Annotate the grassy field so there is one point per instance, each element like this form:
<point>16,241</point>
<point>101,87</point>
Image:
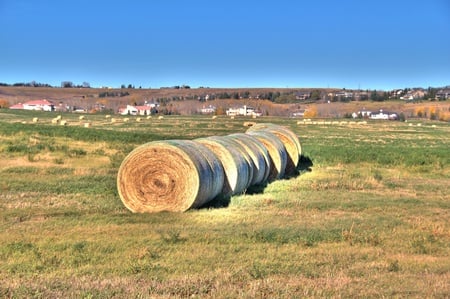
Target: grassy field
<point>368,215</point>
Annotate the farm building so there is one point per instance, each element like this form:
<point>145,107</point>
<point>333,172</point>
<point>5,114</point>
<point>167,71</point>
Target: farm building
<point>384,115</point>
<point>375,115</point>
<point>146,109</point>
<point>42,105</point>
<point>245,110</point>
<point>208,110</point>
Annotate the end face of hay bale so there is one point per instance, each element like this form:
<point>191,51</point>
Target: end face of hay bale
<point>175,176</point>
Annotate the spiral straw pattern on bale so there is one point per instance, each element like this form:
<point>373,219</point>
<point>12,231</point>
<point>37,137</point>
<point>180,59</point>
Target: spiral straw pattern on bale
<point>277,153</point>
<point>173,175</point>
<point>236,167</point>
<point>290,141</point>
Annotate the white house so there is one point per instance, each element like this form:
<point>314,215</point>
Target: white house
<point>245,110</point>
<point>362,114</point>
<point>208,110</point>
<point>138,110</point>
<point>384,115</point>
<point>42,105</point>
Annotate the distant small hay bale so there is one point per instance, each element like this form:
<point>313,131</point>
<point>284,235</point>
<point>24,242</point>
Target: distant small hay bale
<point>410,124</point>
<point>81,117</point>
<point>343,123</point>
<point>87,125</point>
<point>362,123</point>
<point>35,119</point>
<point>433,126</point>
<point>125,120</point>
<point>335,123</point>
<point>231,117</point>
<point>59,117</point>
<point>138,119</point>
<point>63,123</point>
<point>113,120</point>
<point>419,125</point>
<point>327,122</point>
<point>107,116</point>
<point>160,117</point>
<point>254,116</point>
<point>320,122</point>
<point>172,175</point>
<point>214,117</point>
<point>148,117</point>
<point>55,120</point>
<point>24,122</point>
<point>249,123</point>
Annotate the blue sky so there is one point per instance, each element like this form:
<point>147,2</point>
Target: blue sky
<point>381,44</point>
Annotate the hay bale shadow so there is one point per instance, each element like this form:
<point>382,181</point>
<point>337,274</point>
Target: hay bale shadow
<point>304,165</point>
<point>217,203</point>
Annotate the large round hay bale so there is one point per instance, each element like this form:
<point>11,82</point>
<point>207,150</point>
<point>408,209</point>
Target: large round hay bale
<point>277,153</point>
<point>236,167</point>
<point>258,153</point>
<point>290,141</point>
<point>243,153</point>
<point>173,175</point>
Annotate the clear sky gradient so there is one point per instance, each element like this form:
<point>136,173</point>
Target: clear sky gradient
<point>382,44</point>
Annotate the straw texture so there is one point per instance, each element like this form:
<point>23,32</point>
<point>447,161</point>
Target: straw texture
<point>174,175</point>
<point>290,141</point>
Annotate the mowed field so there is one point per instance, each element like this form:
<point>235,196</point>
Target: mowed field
<point>367,216</point>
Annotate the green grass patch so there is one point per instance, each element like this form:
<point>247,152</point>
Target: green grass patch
<point>367,217</point>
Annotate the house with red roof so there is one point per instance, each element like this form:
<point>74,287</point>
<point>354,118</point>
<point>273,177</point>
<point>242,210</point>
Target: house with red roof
<point>42,105</point>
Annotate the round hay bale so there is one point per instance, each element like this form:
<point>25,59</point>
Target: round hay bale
<point>290,141</point>
<point>249,123</point>
<point>107,116</point>
<point>138,119</point>
<point>241,151</point>
<point>87,125</point>
<point>63,123</point>
<point>148,117</point>
<point>160,117</point>
<point>214,117</point>
<point>258,154</point>
<point>126,119</point>
<point>81,117</point>
<point>277,153</point>
<point>35,119</point>
<point>172,175</point>
<point>113,120</point>
<point>236,167</point>
<point>55,120</point>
